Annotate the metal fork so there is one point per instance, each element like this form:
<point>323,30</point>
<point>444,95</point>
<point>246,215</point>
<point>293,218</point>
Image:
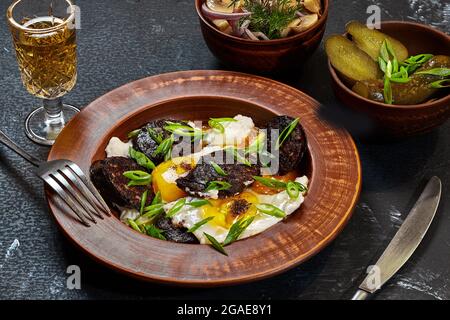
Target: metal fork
<point>68,181</point>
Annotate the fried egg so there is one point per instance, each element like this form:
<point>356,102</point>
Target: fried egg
<point>227,211</point>
<point>117,148</point>
<point>240,132</point>
<point>164,176</point>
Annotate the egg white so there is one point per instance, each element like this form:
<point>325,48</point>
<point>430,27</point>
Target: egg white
<point>234,133</point>
<point>188,216</point>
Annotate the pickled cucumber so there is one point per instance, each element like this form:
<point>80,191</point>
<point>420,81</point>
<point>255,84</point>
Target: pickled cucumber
<point>370,41</point>
<point>416,91</point>
<point>352,63</point>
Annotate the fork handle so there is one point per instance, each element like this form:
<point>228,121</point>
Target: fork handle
<point>14,147</point>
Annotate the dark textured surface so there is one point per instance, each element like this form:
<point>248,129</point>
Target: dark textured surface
<point>121,41</point>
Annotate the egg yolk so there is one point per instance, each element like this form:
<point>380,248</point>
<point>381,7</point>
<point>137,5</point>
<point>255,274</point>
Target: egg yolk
<point>169,189</point>
<point>227,211</point>
<point>258,187</point>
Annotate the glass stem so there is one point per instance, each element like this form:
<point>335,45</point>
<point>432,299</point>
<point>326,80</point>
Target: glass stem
<point>53,111</point>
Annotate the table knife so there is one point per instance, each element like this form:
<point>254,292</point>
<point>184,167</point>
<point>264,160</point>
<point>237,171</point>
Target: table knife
<point>405,241</point>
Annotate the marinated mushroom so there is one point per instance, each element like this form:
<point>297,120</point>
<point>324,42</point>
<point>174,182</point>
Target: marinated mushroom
<point>313,6</point>
<point>306,22</point>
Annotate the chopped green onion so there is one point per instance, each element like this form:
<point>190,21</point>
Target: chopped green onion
<point>198,203</point>
<point>157,137</point>
<point>157,199</point>
<point>277,184</point>
<point>153,209</point>
<point>134,225</point>
<point>216,245</point>
<point>390,49</point>
<point>218,169</point>
<point>286,133</point>
<point>199,224</point>
<point>270,182</point>
<point>387,91</point>
<point>257,145</point>
<point>176,208</point>
<point>383,64</point>
<point>441,72</point>
<point>182,129</point>
<point>292,190</point>
<point>150,212</point>
<point>138,178</point>
<point>400,80</point>
<point>384,54</point>
<point>143,201</point>
<point>141,159</point>
<point>271,210</point>
<point>164,147</point>
<point>395,65</point>
<point>154,232</point>
<point>301,186</point>
<point>389,69</point>
<point>236,230</point>
<point>168,154</point>
<point>415,62</point>
<point>444,83</point>
<point>237,156</point>
<point>216,123</point>
<point>218,185</point>
<point>133,134</point>
<point>401,76</point>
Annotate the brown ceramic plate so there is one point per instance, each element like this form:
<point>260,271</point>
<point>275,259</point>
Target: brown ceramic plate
<point>333,168</point>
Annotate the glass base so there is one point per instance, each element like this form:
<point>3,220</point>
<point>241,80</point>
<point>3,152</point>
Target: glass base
<point>43,129</point>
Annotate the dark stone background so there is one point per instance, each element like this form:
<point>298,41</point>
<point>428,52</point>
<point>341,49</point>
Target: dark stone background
<point>121,41</point>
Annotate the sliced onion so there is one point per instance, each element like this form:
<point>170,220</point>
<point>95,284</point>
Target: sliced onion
<point>211,14</point>
<point>234,26</point>
<point>250,35</point>
<point>244,26</point>
<point>261,35</point>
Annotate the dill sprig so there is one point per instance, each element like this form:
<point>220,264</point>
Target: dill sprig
<point>270,16</point>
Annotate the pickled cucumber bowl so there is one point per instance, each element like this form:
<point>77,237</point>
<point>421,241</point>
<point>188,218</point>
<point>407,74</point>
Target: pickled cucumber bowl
<point>390,105</point>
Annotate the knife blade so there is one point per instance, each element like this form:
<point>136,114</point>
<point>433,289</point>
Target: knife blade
<point>405,241</point>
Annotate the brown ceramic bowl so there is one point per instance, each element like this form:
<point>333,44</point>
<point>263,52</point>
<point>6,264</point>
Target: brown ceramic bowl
<point>333,167</point>
<point>401,120</point>
<point>265,57</point>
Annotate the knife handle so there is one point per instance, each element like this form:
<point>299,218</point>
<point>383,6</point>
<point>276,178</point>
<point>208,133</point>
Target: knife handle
<point>360,295</point>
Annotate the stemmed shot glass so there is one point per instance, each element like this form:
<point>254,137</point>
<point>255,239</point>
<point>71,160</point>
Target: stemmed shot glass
<point>44,37</point>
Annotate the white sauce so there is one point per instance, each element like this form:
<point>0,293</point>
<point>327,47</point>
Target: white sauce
<point>118,148</point>
<point>128,213</point>
<point>235,132</point>
<point>211,194</point>
<point>171,175</point>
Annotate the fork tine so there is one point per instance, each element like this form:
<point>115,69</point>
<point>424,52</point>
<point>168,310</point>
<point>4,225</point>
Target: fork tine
<point>94,204</point>
<point>66,198</point>
<point>89,184</point>
<point>75,194</point>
